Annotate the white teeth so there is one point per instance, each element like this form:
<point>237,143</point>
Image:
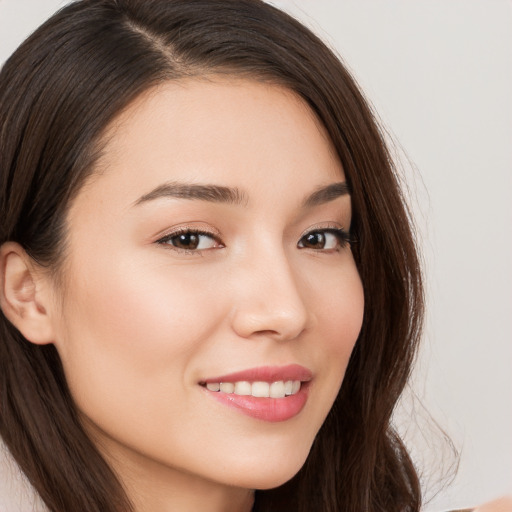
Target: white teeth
<point>261,389</point>
<point>279,389</point>
<point>243,388</point>
<point>227,387</point>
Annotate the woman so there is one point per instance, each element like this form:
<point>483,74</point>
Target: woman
<point>209,281</point>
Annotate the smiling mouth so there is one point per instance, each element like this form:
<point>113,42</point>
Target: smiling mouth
<point>269,393</point>
<point>258,389</point>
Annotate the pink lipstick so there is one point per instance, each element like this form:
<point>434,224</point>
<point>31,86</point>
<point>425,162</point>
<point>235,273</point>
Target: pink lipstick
<point>269,393</point>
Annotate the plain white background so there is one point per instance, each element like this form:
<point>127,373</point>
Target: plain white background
<point>439,73</point>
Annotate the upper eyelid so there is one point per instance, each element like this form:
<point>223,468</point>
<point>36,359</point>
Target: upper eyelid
<point>169,233</point>
<point>330,226</point>
<point>162,241</point>
<point>341,232</point>
<point>215,234</point>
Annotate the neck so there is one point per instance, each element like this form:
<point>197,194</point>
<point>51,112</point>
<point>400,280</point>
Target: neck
<point>186,494</point>
<point>155,487</point>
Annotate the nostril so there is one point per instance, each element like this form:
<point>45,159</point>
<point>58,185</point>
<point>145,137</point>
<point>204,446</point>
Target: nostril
<point>269,302</point>
<point>268,324</point>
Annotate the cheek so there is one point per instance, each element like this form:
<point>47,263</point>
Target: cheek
<point>342,309</point>
<point>130,331</point>
<point>338,305</point>
<point>133,332</point>
<point>339,308</point>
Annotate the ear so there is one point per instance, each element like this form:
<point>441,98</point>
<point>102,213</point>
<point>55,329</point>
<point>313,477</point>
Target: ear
<point>25,294</point>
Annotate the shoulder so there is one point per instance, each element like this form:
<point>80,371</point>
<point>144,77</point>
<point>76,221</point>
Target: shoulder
<point>503,504</point>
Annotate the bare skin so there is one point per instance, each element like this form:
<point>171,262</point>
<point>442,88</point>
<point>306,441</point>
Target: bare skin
<point>503,504</point>
<point>165,288</point>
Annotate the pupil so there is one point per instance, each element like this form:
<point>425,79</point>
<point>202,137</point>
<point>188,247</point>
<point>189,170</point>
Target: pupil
<point>315,239</point>
<point>188,241</point>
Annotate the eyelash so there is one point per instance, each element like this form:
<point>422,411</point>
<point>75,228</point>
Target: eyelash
<point>342,236</point>
<point>187,231</point>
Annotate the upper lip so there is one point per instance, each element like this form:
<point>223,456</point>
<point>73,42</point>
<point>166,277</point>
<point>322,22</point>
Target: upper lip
<point>265,374</point>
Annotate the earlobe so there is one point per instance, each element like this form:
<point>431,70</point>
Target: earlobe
<point>22,296</point>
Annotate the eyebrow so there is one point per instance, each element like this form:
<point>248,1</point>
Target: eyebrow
<point>233,195</point>
<point>326,194</point>
<point>212,193</point>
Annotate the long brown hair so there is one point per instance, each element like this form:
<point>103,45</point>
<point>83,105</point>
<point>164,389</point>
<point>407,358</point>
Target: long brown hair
<point>58,92</point>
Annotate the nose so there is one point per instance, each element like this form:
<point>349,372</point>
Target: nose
<point>269,302</point>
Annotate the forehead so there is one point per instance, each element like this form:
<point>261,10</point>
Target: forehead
<point>228,131</point>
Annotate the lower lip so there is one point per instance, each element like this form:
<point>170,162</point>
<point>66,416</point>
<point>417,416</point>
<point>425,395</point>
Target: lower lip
<point>266,409</point>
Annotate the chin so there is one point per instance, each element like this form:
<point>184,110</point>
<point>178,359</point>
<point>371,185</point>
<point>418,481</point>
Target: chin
<point>269,474</point>
<point>267,484</point>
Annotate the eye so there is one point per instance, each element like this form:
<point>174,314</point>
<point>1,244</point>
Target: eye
<point>189,240</point>
<point>331,239</point>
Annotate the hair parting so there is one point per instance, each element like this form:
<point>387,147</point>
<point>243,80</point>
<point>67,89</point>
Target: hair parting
<point>59,93</point>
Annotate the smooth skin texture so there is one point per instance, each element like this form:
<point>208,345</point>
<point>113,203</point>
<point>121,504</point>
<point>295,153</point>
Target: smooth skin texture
<point>142,318</point>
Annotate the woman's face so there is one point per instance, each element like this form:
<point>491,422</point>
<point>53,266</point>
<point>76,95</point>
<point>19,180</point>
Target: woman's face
<point>209,251</point>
